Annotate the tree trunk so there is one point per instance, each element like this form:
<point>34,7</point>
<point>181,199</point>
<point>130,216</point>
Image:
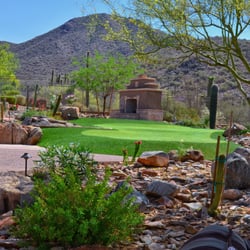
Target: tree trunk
<point>110,101</point>
<point>97,102</point>
<point>104,105</point>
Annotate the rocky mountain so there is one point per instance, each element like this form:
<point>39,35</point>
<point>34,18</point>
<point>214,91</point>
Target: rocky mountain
<point>56,49</point>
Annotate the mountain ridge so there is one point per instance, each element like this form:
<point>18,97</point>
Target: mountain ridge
<point>55,49</point>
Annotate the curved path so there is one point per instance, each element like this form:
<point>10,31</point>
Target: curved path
<point>10,157</point>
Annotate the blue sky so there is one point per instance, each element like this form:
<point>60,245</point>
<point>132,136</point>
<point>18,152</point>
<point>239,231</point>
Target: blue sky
<point>22,20</point>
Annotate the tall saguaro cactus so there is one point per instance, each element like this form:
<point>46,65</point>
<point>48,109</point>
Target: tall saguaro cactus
<point>213,106</point>
<point>210,83</point>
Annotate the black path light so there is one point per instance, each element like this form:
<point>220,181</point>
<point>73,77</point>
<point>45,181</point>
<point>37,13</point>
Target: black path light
<point>26,156</point>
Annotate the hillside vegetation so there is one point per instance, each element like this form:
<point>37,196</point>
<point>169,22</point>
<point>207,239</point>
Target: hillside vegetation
<point>185,81</point>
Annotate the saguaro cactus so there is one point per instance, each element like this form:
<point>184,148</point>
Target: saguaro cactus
<point>35,96</point>
<point>52,77</point>
<point>213,106</point>
<point>210,83</point>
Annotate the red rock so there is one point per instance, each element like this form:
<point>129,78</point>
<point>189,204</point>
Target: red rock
<point>193,155</point>
<point>154,159</point>
<point>13,133</point>
<point>232,194</point>
<point>6,222</point>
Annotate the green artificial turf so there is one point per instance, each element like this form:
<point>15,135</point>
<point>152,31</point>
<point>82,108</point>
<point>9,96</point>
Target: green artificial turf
<point>111,136</point>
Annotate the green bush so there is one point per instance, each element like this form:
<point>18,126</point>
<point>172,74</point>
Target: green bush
<point>9,99</point>
<point>32,112</point>
<point>57,158</point>
<point>67,214</point>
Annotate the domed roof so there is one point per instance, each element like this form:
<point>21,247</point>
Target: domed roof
<point>143,81</point>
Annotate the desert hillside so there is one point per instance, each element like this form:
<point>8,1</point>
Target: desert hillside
<point>56,49</point>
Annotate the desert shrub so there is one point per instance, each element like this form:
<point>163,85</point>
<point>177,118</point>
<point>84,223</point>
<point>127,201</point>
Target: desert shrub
<point>175,111</point>
<point>9,99</point>
<point>20,100</point>
<point>9,89</point>
<point>191,123</point>
<point>167,116</point>
<point>239,111</point>
<point>33,112</point>
<point>74,156</point>
<point>66,214</point>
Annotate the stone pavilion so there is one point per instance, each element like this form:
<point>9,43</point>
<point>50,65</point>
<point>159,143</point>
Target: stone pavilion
<point>141,100</point>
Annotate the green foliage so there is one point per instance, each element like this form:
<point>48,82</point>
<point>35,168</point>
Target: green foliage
<point>10,89</point>
<point>9,99</point>
<point>8,66</point>
<point>104,74</point>
<point>181,150</point>
<point>179,113</point>
<point>57,158</point>
<point>245,131</point>
<point>213,106</point>
<point>32,112</point>
<point>9,85</point>
<point>188,26</point>
<point>67,214</point>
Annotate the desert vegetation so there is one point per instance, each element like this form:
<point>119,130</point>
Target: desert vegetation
<point>67,212</point>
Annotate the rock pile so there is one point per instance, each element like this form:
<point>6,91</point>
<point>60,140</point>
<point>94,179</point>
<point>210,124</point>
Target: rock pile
<point>46,122</point>
<point>237,133</point>
<point>174,199</point>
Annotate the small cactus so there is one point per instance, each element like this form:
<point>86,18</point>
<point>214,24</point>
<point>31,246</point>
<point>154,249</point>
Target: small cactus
<point>218,183</point>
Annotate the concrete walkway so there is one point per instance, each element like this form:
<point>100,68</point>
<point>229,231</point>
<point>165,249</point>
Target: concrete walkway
<point>10,157</point>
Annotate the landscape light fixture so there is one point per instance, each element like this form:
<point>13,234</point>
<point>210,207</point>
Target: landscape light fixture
<point>26,156</point>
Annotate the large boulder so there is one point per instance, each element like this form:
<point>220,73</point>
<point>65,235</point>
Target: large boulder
<point>13,133</point>
<point>15,189</point>
<point>35,134</point>
<point>238,169</point>
<point>154,159</point>
<point>70,113</point>
<point>162,188</point>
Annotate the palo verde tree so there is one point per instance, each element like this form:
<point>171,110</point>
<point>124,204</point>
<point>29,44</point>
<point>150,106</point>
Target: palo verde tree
<point>188,26</point>
<point>104,75</point>
<point>8,65</point>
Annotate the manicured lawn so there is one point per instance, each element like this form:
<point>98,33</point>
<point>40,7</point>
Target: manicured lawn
<point>110,136</point>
